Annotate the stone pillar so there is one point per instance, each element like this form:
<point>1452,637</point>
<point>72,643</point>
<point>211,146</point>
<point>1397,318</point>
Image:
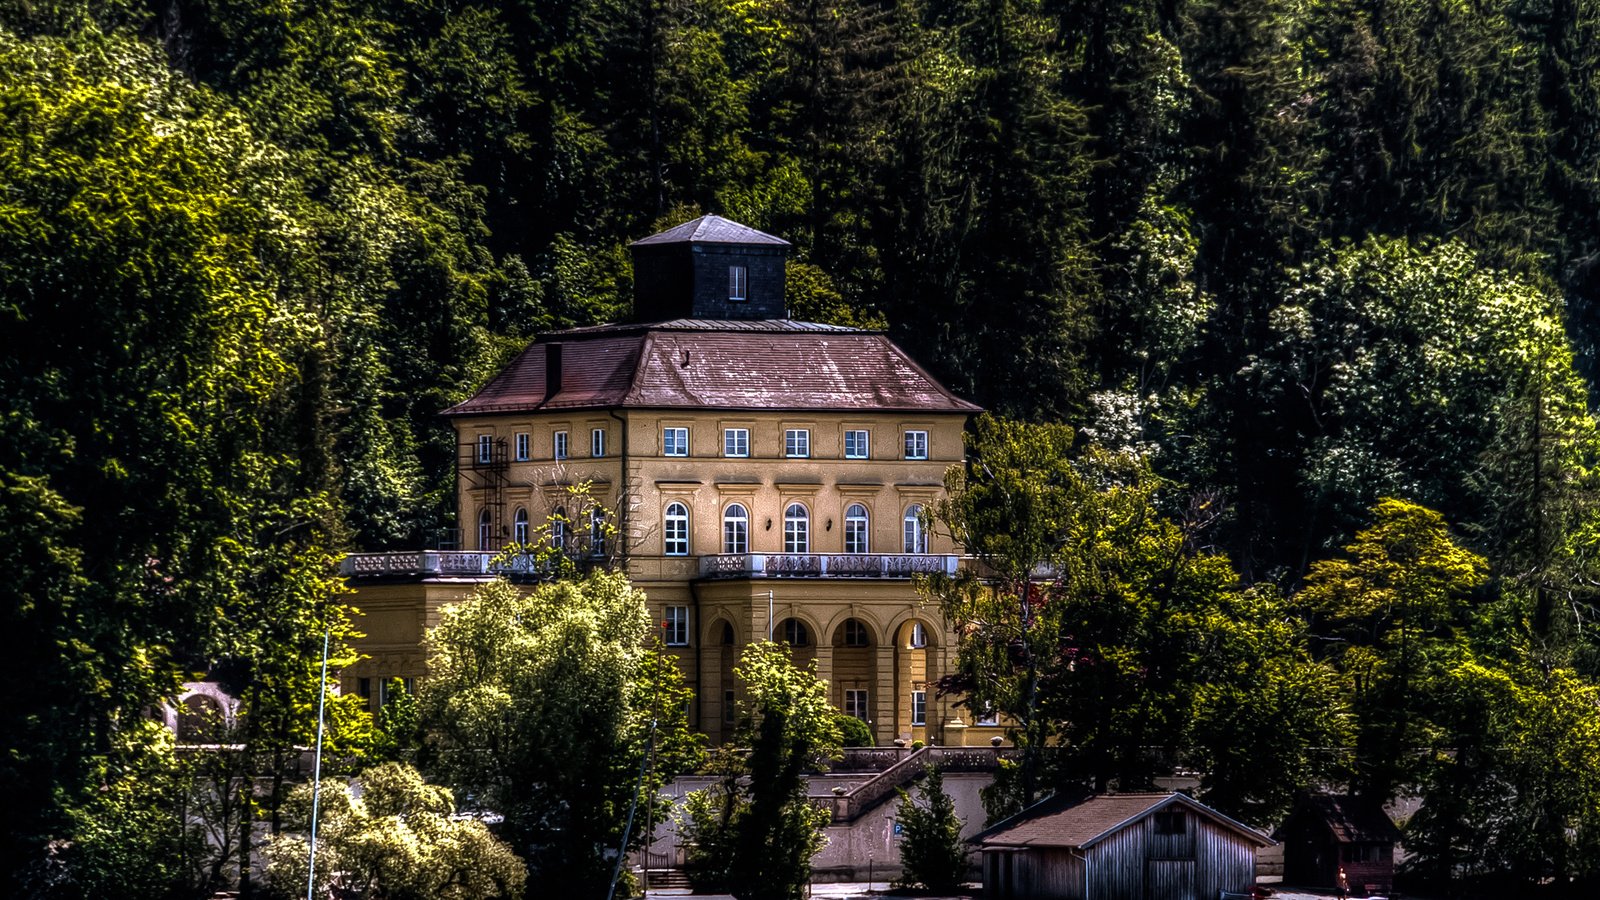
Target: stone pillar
<point>883,701</point>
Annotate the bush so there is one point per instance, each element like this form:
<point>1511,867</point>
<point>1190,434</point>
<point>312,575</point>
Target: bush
<point>930,842</point>
<point>855,732</point>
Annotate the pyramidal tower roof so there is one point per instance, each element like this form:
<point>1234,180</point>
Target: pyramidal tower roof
<point>711,230</point>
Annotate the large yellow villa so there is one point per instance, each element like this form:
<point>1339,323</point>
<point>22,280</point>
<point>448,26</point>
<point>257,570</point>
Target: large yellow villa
<point>754,475</point>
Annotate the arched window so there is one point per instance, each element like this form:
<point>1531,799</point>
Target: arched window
<point>727,634</point>
<point>794,631</point>
<point>918,636</point>
<point>485,530</point>
<point>676,533</point>
<point>519,526</point>
<point>796,529</point>
<point>735,529</point>
<point>855,634</point>
<point>916,535</point>
<point>855,529</point>
<point>558,528</point>
<point>597,531</point>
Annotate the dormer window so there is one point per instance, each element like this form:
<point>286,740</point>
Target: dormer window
<point>738,283</point>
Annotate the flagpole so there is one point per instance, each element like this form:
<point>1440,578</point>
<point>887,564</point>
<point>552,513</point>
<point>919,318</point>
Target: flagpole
<point>316,770</point>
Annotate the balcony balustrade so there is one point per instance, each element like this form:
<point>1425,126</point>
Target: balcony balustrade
<point>476,564</point>
<point>826,565</point>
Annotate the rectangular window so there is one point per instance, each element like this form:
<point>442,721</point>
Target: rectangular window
<point>677,626</point>
<point>738,282</point>
<point>1170,821</point>
<point>919,707</point>
<point>597,443</point>
<point>855,444</point>
<point>674,442</point>
<point>485,448</point>
<point>855,704</point>
<point>797,442</point>
<point>364,688</point>
<point>524,446</point>
<point>987,715</point>
<point>386,691</point>
<point>560,441</point>
<point>916,445</point>
<point>735,442</point>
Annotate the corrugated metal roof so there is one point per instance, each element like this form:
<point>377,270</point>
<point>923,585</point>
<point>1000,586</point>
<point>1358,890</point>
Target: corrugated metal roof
<point>1083,824</point>
<point>701,364</point>
<point>711,230</point>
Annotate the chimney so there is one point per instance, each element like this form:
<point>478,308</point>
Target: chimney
<point>552,370</point>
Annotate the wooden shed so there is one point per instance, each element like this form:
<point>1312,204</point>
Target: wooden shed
<point>1326,832</point>
<point>1119,847</point>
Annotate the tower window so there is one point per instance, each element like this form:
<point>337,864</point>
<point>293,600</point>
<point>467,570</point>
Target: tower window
<point>738,283</point>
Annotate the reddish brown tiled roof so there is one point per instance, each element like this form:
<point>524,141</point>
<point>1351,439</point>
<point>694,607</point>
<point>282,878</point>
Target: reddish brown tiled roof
<point>1084,823</point>
<point>716,365</point>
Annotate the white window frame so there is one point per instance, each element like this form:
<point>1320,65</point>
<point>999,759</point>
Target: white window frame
<point>862,439</point>
<point>914,537</point>
<point>519,526</point>
<point>738,283</point>
<point>916,444</point>
<point>675,441</point>
<point>524,446</point>
<point>485,530</point>
<point>919,636</point>
<point>558,528</point>
<point>485,448</point>
<point>676,626</point>
<point>857,529</point>
<point>597,443</point>
<point>597,531</point>
<point>736,442</point>
<point>558,443</point>
<point>919,708</point>
<point>735,529</point>
<point>675,529</point>
<point>856,703</point>
<point>986,714</point>
<point>797,443</point>
<point>796,529</point>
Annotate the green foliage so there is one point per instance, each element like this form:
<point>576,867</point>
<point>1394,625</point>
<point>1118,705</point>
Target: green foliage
<point>791,730</point>
<point>1396,604</point>
<point>709,822</point>
<point>1108,634</point>
<point>854,733</point>
<point>398,729</point>
<point>398,841</point>
<point>930,844</point>
<point>541,706</point>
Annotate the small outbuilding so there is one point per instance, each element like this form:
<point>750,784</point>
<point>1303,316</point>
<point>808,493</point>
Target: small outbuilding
<point>1327,832</point>
<point>1154,846</point>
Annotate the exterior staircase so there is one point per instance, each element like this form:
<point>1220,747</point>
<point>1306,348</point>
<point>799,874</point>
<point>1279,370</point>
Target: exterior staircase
<point>848,805</point>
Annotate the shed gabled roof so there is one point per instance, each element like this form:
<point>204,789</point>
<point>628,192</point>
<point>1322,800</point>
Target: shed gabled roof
<point>710,230</point>
<point>706,364</point>
<point>1351,819</point>
<point>1082,824</point>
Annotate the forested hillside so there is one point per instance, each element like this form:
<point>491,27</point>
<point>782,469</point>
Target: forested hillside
<point>1300,255</point>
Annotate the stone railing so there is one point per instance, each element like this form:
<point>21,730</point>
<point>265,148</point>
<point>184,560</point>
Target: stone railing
<point>434,563</point>
<point>826,565</point>
<point>849,805</point>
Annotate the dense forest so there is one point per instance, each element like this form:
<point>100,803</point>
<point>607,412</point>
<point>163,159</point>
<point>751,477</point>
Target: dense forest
<point>1298,256</point>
